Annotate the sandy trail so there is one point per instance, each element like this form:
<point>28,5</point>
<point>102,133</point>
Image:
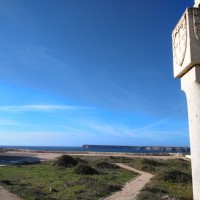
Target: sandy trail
<point>131,189</point>
<point>5,195</point>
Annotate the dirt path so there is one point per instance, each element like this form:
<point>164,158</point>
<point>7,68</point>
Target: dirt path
<point>5,195</point>
<point>131,189</point>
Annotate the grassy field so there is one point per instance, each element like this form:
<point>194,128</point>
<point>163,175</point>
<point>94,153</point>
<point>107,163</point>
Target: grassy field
<point>90,178</point>
<point>83,179</point>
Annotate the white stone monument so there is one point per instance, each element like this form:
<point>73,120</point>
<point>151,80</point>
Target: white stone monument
<point>186,60</point>
<point>197,3</point>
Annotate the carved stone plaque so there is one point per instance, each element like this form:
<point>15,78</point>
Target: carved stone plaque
<point>179,41</point>
<point>186,42</point>
<point>196,24</point>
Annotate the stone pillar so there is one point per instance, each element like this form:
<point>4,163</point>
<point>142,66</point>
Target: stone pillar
<point>190,84</point>
<point>186,61</point>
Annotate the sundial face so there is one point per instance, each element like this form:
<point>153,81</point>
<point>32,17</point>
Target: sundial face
<point>179,41</point>
<point>186,42</point>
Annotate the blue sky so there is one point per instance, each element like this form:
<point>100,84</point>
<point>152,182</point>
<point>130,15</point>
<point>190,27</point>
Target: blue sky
<point>77,72</point>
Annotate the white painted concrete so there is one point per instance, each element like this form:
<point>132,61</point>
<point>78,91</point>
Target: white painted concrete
<point>190,84</point>
<point>196,3</point>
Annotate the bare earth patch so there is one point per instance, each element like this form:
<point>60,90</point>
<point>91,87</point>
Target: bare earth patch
<point>5,195</point>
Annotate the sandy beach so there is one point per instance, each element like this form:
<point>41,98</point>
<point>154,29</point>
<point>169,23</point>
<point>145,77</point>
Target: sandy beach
<point>45,155</point>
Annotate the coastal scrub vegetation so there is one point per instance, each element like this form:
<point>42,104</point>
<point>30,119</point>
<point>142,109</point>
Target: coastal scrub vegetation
<point>95,177</point>
<point>65,161</point>
<point>68,178</point>
<point>171,177</point>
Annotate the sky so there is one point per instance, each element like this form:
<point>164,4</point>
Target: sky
<point>76,72</point>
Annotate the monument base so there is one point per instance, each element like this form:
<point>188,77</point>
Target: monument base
<point>190,84</point>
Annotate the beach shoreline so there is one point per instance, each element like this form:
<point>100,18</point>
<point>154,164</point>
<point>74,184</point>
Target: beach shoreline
<point>42,155</point>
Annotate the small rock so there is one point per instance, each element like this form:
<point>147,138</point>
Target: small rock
<point>53,190</point>
<point>167,197</point>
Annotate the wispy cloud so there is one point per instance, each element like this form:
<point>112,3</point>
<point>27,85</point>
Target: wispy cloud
<point>104,128</point>
<point>27,108</point>
<point>153,131</point>
<point>4,122</point>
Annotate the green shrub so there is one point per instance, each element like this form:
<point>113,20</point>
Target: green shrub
<point>65,161</point>
<point>149,165</point>
<point>113,187</point>
<point>120,159</point>
<point>5,181</point>
<point>146,195</point>
<point>85,169</point>
<point>153,189</point>
<point>106,165</point>
<point>175,176</point>
<point>150,162</point>
<point>179,164</point>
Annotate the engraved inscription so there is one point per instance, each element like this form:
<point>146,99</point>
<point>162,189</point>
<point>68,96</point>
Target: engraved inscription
<point>179,41</point>
<point>196,24</point>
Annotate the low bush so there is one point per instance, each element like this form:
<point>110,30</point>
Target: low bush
<point>153,189</point>
<point>65,161</point>
<point>5,181</point>
<point>149,165</point>
<point>150,162</point>
<point>179,164</point>
<point>175,176</point>
<point>146,195</point>
<point>106,165</point>
<point>120,159</point>
<point>85,169</point>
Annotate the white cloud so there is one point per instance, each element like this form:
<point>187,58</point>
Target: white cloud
<point>153,131</point>
<point>26,108</point>
<point>104,128</point>
<point>5,122</point>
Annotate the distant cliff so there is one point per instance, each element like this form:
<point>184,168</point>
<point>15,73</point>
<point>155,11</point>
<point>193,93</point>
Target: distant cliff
<point>139,148</point>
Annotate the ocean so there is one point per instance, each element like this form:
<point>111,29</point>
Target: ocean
<point>80,149</point>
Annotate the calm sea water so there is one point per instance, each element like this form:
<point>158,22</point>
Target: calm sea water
<point>80,149</point>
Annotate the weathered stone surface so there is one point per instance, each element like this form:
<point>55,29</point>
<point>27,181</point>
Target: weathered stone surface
<point>186,60</point>
<point>186,42</point>
<point>197,3</point>
<point>190,84</point>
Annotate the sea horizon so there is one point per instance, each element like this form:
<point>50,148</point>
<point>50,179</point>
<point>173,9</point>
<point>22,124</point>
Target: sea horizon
<point>81,149</point>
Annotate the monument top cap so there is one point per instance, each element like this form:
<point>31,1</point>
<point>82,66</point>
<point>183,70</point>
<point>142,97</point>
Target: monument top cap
<point>197,3</point>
